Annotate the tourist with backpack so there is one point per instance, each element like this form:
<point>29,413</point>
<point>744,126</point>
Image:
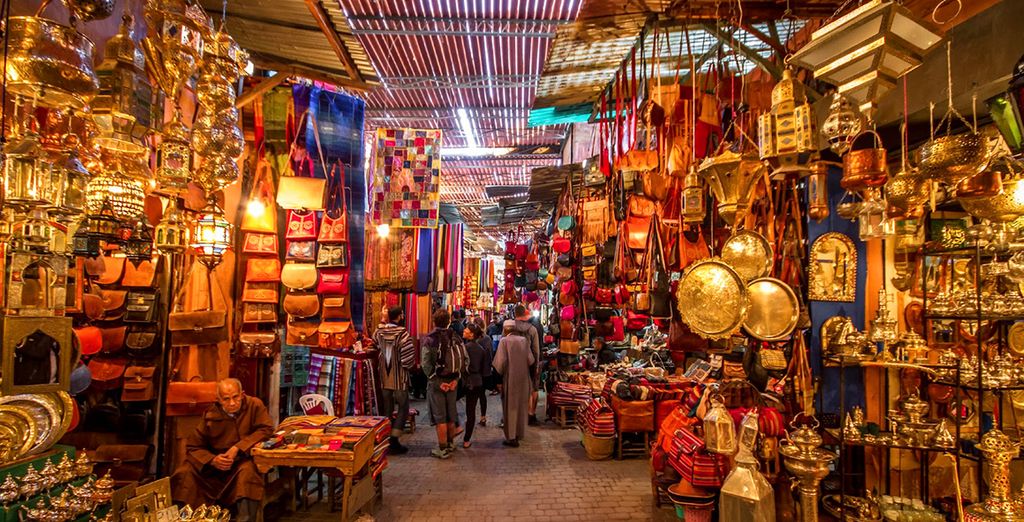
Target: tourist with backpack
<point>444,360</point>
<point>396,357</point>
<point>514,361</point>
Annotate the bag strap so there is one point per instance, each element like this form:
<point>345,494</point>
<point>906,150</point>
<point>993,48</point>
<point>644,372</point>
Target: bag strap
<point>178,304</point>
<point>308,116</point>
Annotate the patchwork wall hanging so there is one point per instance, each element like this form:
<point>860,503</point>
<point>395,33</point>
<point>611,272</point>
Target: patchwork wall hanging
<point>407,178</point>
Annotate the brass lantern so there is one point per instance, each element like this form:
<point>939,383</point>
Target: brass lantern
<point>171,232</point>
<point>786,133</point>
<point>174,48</point>
<point>842,124</point>
<point>174,157</point>
<point>212,235</point>
<point>868,49</point>
<point>719,428</point>
<point>138,247</point>
<point>124,194</point>
<point>124,108</point>
<point>71,202</point>
<point>693,197</point>
<point>817,191</point>
<point>34,232</point>
<point>732,177</point>
<point>28,173</point>
<point>746,495</point>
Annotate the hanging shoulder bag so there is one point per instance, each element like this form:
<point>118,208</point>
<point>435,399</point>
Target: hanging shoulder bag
<point>263,192</point>
<point>205,326</point>
<point>303,192</point>
<point>334,224</point>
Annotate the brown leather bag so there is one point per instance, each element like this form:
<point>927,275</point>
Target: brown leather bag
<point>92,304</point>
<point>199,327</point>
<point>299,276</point>
<point>640,206</point>
<point>138,384</point>
<point>113,269</point>
<point>302,333</point>
<point>256,243</point>
<point>337,307</point>
<point>260,293</point>
<point>106,373</point>
<point>262,345</point>
<point>259,313</point>
<point>113,339</point>
<point>337,335</point>
<point>189,398</point>
<point>656,185</point>
<point>90,339</point>
<point>141,276</point>
<point>113,304</point>
<point>263,270</point>
<point>633,416</point>
<point>302,305</point>
<point>94,266</point>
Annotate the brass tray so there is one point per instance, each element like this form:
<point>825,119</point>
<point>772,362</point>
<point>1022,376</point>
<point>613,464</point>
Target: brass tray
<point>712,299</point>
<point>1015,339</point>
<point>45,416</point>
<point>749,254</point>
<point>774,309</point>
<point>17,432</point>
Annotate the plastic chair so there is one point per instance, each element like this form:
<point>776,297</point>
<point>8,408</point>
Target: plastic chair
<point>311,400</point>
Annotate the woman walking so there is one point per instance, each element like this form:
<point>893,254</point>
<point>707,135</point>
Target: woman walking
<point>479,370</point>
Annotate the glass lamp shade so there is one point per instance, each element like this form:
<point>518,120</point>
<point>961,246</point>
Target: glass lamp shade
<point>865,51</point>
<point>171,234</point>
<point>719,429</point>
<point>139,245</point>
<point>1006,109</point>
<point>746,495</point>
<point>212,234</point>
<point>123,194</point>
<point>174,157</point>
<point>841,125</point>
<point>28,173</point>
<point>124,109</point>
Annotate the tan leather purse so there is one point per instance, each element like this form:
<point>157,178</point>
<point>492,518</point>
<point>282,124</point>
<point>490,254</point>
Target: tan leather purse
<point>141,276</point>
<point>337,307</point>
<point>258,345</point>
<point>302,333</point>
<point>302,305</point>
<point>259,313</point>
<point>138,384</point>
<point>263,270</point>
<point>260,293</point>
<point>337,335</point>
<point>199,327</point>
<point>301,192</point>
<point>299,276</point>
<point>113,339</point>
<point>189,398</point>
<point>113,304</point>
<point>113,269</point>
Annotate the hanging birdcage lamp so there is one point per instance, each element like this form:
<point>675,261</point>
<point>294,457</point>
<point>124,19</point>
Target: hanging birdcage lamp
<point>842,124</point>
<point>719,428</point>
<point>96,228</point>
<point>212,235</point>
<point>174,157</point>
<point>786,133</point>
<point>171,234</point>
<point>123,194</point>
<point>139,245</point>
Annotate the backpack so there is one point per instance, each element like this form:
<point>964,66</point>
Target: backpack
<point>452,359</point>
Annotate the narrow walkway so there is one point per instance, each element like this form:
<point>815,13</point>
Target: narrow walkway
<point>547,478</point>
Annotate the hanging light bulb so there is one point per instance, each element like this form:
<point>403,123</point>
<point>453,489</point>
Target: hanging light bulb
<point>383,230</point>
<point>255,208</point>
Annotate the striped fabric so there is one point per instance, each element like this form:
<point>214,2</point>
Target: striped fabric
<point>394,375</point>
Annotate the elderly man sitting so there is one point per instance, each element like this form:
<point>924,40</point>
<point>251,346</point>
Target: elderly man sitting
<point>217,468</point>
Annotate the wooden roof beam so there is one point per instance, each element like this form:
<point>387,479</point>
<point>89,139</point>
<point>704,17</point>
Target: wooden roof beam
<point>260,88</point>
<point>323,20</point>
<point>281,65</point>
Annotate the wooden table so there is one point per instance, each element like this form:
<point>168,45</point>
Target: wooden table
<point>348,463</point>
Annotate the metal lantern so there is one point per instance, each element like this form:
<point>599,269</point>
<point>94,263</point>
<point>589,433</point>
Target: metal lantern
<point>124,194</point>
<point>786,133</point>
<point>97,227</point>
<point>719,429</point>
<point>34,232</point>
<point>871,220</point>
<point>868,49</point>
<point>28,173</point>
<point>174,157</point>
<point>842,124</point>
<point>817,191</point>
<point>139,245</point>
<point>171,232</point>
<point>1006,109</point>
<point>746,495</point>
<point>732,178</point>
<point>883,326</point>
<point>71,202</point>
<point>693,198</point>
<point>124,108</point>
<point>174,47</point>
<point>84,244</point>
<point>212,235</point>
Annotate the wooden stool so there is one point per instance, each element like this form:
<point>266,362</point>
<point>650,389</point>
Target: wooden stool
<point>565,416</point>
<point>633,452</point>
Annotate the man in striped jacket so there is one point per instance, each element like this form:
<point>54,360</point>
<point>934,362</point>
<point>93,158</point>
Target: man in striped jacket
<point>397,357</point>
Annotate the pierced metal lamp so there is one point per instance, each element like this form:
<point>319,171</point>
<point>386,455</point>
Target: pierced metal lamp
<point>212,235</point>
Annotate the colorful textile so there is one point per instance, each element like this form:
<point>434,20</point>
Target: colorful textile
<point>407,178</point>
<point>566,394</point>
<point>595,417</point>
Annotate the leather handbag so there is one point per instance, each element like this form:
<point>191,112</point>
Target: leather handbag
<point>141,342</point>
<point>302,226</point>
<point>258,345</point>
<point>92,304</point>
<point>618,330</point>
<point>113,269</point>
<point>636,321</point>
<point>640,302</point>
<point>636,229</point>
<point>333,282</point>
<point>567,313</point>
<point>259,313</point>
<point>138,384</point>
<point>334,224</point>
<point>301,305</point>
<point>604,296</point>
<point>141,307</point>
<point>263,192</point>
<point>642,207</point>
<point>263,270</point>
<point>106,373</point>
<point>696,465</point>
<point>633,416</point>
<point>299,276</point>
<point>303,192</point>
<point>260,293</point>
<point>90,340</point>
<point>198,327</point>
<point>569,346</point>
<point>304,250</point>
<point>302,333</point>
<point>113,304</point>
<point>337,335</point>
<point>332,256</point>
<point>656,185</point>
<point>94,266</point>
<point>141,276</point>
<point>189,398</point>
<point>257,243</point>
<point>561,245</point>
<point>337,307</point>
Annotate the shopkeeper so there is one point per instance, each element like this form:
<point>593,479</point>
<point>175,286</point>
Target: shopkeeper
<point>217,467</point>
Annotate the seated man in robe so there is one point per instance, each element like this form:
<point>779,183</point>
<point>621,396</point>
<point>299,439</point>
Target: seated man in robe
<point>218,468</point>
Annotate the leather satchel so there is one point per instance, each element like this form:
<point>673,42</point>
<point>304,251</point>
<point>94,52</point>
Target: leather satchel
<point>299,276</point>
<point>138,384</point>
<point>199,327</point>
<point>263,192</point>
<point>302,226</point>
<point>337,308</point>
<point>301,192</point>
<point>257,243</point>
<point>334,225</point>
<point>263,270</point>
<point>189,398</point>
<point>259,313</point>
<point>333,282</point>
<point>633,416</point>
<point>337,335</point>
<point>106,373</point>
<point>332,256</point>
<point>258,345</point>
<point>302,305</point>
<point>90,340</point>
<point>259,293</point>
<point>141,308</point>
<point>656,185</point>
<point>304,250</point>
<point>92,304</point>
<point>113,304</point>
<point>302,333</point>
<point>113,269</point>
<point>141,342</point>
<point>141,276</point>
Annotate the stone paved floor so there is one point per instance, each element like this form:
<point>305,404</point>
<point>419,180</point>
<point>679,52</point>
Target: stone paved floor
<point>547,478</point>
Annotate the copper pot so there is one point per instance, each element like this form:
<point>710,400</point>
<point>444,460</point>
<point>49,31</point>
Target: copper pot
<point>865,168</point>
<point>50,63</point>
<point>985,185</point>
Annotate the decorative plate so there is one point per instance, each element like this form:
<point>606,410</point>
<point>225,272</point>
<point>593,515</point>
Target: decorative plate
<point>749,253</point>
<point>45,416</point>
<point>712,299</point>
<point>17,432</point>
<point>774,309</point>
<point>1015,339</point>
